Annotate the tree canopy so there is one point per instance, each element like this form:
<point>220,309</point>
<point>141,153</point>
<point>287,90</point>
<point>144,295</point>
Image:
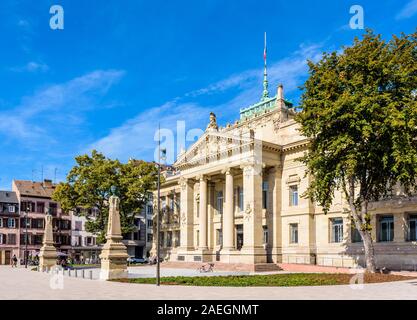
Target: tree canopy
<point>359,109</point>
<point>95,178</point>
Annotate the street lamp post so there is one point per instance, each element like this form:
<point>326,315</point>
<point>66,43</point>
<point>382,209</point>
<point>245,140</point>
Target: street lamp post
<point>26,235</point>
<point>158,221</point>
<point>158,249</point>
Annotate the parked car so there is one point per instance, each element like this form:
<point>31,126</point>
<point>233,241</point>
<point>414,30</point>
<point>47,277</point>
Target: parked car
<point>132,260</point>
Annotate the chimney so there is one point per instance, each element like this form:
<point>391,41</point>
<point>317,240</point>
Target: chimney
<point>47,183</point>
<point>280,94</point>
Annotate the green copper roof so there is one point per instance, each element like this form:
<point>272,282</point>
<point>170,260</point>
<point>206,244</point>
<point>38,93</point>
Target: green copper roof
<point>263,106</point>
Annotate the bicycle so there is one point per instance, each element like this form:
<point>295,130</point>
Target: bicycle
<point>208,267</point>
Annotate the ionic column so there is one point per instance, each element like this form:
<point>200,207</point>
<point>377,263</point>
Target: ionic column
<point>187,215</point>
<point>252,226</point>
<point>203,213</point>
<point>228,214</point>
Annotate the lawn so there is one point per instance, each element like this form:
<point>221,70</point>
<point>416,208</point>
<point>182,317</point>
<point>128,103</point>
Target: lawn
<point>274,280</point>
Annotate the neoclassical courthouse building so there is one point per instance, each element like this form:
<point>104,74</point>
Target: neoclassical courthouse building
<point>235,197</point>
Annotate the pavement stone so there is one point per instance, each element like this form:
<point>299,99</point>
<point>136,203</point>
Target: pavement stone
<point>22,283</point>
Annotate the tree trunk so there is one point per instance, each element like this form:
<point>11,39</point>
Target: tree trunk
<point>369,251</point>
<point>359,220</point>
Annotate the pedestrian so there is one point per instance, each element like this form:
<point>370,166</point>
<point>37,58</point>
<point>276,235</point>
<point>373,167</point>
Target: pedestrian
<point>14,261</point>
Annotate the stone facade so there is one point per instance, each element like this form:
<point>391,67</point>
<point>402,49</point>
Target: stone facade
<point>236,198</point>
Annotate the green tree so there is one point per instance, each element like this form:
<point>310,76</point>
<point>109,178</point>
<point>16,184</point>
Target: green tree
<point>359,109</point>
<point>92,181</point>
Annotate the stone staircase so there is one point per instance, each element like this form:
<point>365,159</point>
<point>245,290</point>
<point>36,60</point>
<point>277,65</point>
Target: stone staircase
<point>266,267</point>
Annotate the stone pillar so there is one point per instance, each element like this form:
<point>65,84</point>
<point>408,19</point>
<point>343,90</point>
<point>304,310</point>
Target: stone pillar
<point>114,253</point>
<point>187,215</point>
<point>47,255</point>
<point>400,227</point>
<point>228,214</point>
<point>275,183</point>
<point>203,214</point>
<point>253,250</point>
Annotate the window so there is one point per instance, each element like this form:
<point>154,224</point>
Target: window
<point>150,237</point>
<point>53,208</point>
<point>2,238</point>
<point>265,195</point>
<point>1,223</point>
<point>37,223</point>
<point>78,226</point>
<point>355,235</point>
<point>11,209</point>
<point>219,237</point>
<point>150,223</point>
<point>11,238</point>
<point>198,209</point>
<point>171,203</point>
<point>177,238</point>
<point>239,236</point>
<point>37,239</point>
<point>265,235</point>
<point>169,239</point>
<point>412,228</point>
<point>11,223</point>
<point>336,231</point>
<point>386,228</point>
<point>23,238</point>
<point>294,195</point>
<point>294,233</point>
<point>241,207</point>
<point>220,202</point>
<point>197,238</point>
<point>149,210</point>
<point>40,207</point>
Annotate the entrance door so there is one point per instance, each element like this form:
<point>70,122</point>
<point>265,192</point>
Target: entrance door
<point>7,255</point>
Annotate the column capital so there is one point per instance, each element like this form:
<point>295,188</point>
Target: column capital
<point>202,177</point>
<point>229,170</point>
<point>184,181</point>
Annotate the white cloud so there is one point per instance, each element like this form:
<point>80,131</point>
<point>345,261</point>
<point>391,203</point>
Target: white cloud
<point>29,122</point>
<point>31,66</point>
<point>135,138</point>
<point>409,10</point>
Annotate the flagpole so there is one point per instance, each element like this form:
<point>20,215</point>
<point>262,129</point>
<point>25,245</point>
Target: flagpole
<point>265,93</point>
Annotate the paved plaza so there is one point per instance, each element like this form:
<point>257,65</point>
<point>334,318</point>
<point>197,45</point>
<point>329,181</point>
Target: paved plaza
<point>25,284</point>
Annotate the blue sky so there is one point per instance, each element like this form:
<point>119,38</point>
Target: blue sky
<point>120,67</point>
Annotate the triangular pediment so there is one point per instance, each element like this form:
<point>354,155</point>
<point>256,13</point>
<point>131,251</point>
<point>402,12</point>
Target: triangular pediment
<point>213,143</point>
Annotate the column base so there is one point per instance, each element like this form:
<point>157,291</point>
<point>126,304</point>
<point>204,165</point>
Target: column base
<point>47,256</point>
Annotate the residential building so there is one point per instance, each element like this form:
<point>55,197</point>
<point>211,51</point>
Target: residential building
<point>35,201</point>
<point>9,226</point>
<point>84,246</point>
